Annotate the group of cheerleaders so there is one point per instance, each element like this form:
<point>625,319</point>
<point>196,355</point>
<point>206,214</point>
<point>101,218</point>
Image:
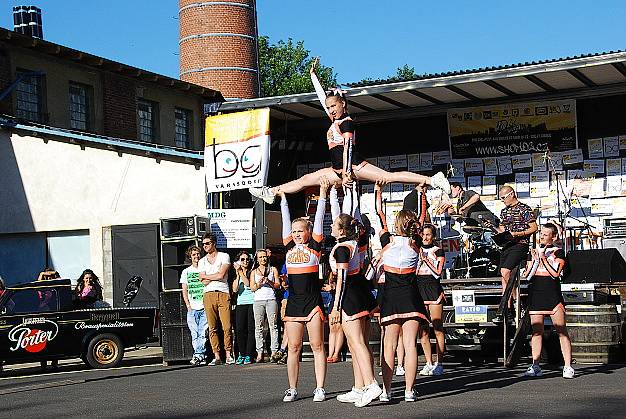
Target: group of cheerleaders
<point>407,270</point>
<point>409,260</point>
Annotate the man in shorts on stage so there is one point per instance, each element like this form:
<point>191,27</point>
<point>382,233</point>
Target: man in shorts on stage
<point>518,219</point>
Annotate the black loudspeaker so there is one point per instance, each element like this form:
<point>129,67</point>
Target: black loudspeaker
<point>194,226</point>
<point>175,335</point>
<point>594,266</point>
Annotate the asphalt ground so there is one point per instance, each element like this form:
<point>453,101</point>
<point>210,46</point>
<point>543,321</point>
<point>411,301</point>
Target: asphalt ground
<point>143,388</point>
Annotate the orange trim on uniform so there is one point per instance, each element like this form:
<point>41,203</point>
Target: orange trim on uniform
<point>406,316</point>
<point>317,237</point>
<point>345,317</point>
<point>401,271</point>
<point>354,271</point>
<point>308,318</point>
<point>439,300</point>
<point>303,270</point>
<point>343,265</point>
<point>558,307</point>
<point>287,239</point>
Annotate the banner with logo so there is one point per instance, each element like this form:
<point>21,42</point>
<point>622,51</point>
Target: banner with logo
<point>237,150</point>
<point>508,129</point>
<point>232,227</point>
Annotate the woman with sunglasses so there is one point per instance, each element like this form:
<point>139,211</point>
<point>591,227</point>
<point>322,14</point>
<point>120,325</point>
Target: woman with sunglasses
<point>264,281</point>
<point>303,241</point>
<point>244,313</point>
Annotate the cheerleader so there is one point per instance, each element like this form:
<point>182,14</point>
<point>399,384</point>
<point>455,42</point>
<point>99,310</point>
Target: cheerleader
<point>347,164</point>
<point>352,307</point>
<point>431,261</point>
<point>545,298</point>
<point>305,305</point>
<point>401,306</point>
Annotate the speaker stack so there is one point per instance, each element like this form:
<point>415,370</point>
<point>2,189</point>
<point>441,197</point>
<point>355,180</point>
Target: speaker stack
<point>175,335</point>
<point>177,234</point>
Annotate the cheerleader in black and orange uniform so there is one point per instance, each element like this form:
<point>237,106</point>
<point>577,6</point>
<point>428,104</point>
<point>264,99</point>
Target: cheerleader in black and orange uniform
<point>431,262</point>
<point>347,164</point>
<point>353,305</point>
<point>305,304</point>
<point>401,306</point>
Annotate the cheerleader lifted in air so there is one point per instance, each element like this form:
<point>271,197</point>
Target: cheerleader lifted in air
<point>347,164</point>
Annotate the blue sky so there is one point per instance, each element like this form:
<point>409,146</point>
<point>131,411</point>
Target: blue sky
<point>360,39</point>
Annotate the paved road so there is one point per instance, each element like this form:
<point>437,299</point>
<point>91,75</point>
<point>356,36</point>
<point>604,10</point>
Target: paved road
<point>144,388</point>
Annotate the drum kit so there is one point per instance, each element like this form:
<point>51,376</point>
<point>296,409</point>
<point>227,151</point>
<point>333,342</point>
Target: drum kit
<point>479,255</point>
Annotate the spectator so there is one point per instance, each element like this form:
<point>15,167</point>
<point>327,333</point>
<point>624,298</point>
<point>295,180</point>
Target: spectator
<point>284,283</point>
<point>44,305</point>
<point>193,292</point>
<point>214,275</point>
<point>263,282</point>
<point>244,313</point>
<point>88,290</point>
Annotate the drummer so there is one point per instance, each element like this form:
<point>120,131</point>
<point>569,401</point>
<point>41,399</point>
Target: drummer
<point>468,204</point>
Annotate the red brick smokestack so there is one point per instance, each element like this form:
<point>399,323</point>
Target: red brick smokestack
<point>218,46</point>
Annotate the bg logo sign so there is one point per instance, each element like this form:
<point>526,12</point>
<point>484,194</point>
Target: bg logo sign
<point>33,337</point>
<point>237,158</point>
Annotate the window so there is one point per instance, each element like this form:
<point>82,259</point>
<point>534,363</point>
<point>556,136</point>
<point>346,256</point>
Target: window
<point>182,127</point>
<point>31,300</point>
<point>79,106</point>
<point>146,115</point>
<point>29,94</point>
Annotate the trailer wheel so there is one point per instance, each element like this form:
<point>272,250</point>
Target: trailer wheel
<point>104,351</point>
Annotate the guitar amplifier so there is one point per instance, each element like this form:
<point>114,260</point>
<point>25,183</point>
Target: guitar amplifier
<point>583,294</point>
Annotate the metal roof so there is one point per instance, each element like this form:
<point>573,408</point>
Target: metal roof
<point>436,92</point>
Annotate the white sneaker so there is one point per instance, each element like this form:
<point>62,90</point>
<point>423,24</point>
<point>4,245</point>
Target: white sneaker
<point>400,371</point>
<point>352,396</point>
<point>384,397</point>
<point>319,395</point>
<point>568,372</point>
<point>410,396</point>
<point>439,181</point>
<point>290,395</point>
<point>195,360</point>
<point>371,392</point>
<point>533,371</point>
<point>427,370</point>
<point>265,193</point>
<point>438,370</point>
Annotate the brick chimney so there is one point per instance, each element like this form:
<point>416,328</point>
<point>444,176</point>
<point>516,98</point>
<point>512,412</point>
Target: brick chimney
<point>218,46</point>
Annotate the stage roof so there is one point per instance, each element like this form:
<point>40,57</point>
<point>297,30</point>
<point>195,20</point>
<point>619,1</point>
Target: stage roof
<point>580,76</point>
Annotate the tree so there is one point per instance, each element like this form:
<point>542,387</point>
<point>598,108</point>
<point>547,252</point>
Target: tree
<point>405,73</point>
<point>284,68</point>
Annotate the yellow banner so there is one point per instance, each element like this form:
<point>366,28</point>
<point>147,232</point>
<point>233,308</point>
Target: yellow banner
<point>240,126</point>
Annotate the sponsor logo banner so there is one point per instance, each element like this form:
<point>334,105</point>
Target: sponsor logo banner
<point>33,335</point>
<point>517,128</point>
<point>237,152</point>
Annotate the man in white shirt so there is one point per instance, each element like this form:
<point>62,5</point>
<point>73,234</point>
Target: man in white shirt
<point>214,275</point>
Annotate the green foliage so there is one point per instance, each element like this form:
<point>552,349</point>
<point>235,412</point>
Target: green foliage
<point>405,73</point>
<point>284,68</point>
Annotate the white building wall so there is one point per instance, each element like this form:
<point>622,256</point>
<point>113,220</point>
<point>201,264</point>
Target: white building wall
<point>57,186</point>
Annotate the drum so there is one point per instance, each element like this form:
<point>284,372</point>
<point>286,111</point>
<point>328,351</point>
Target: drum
<point>484,261</point>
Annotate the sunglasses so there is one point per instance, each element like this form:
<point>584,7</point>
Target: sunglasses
<point>502,198</point>
<point>244,259</point>
<point>207,243</point>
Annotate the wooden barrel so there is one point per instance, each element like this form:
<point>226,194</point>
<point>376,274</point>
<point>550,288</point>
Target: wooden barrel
<point>594,332</point>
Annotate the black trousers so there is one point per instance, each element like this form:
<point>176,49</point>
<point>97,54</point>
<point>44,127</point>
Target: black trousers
<point>244,323</point>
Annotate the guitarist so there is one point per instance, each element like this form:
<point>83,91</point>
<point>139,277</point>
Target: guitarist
<point>518,220</point>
